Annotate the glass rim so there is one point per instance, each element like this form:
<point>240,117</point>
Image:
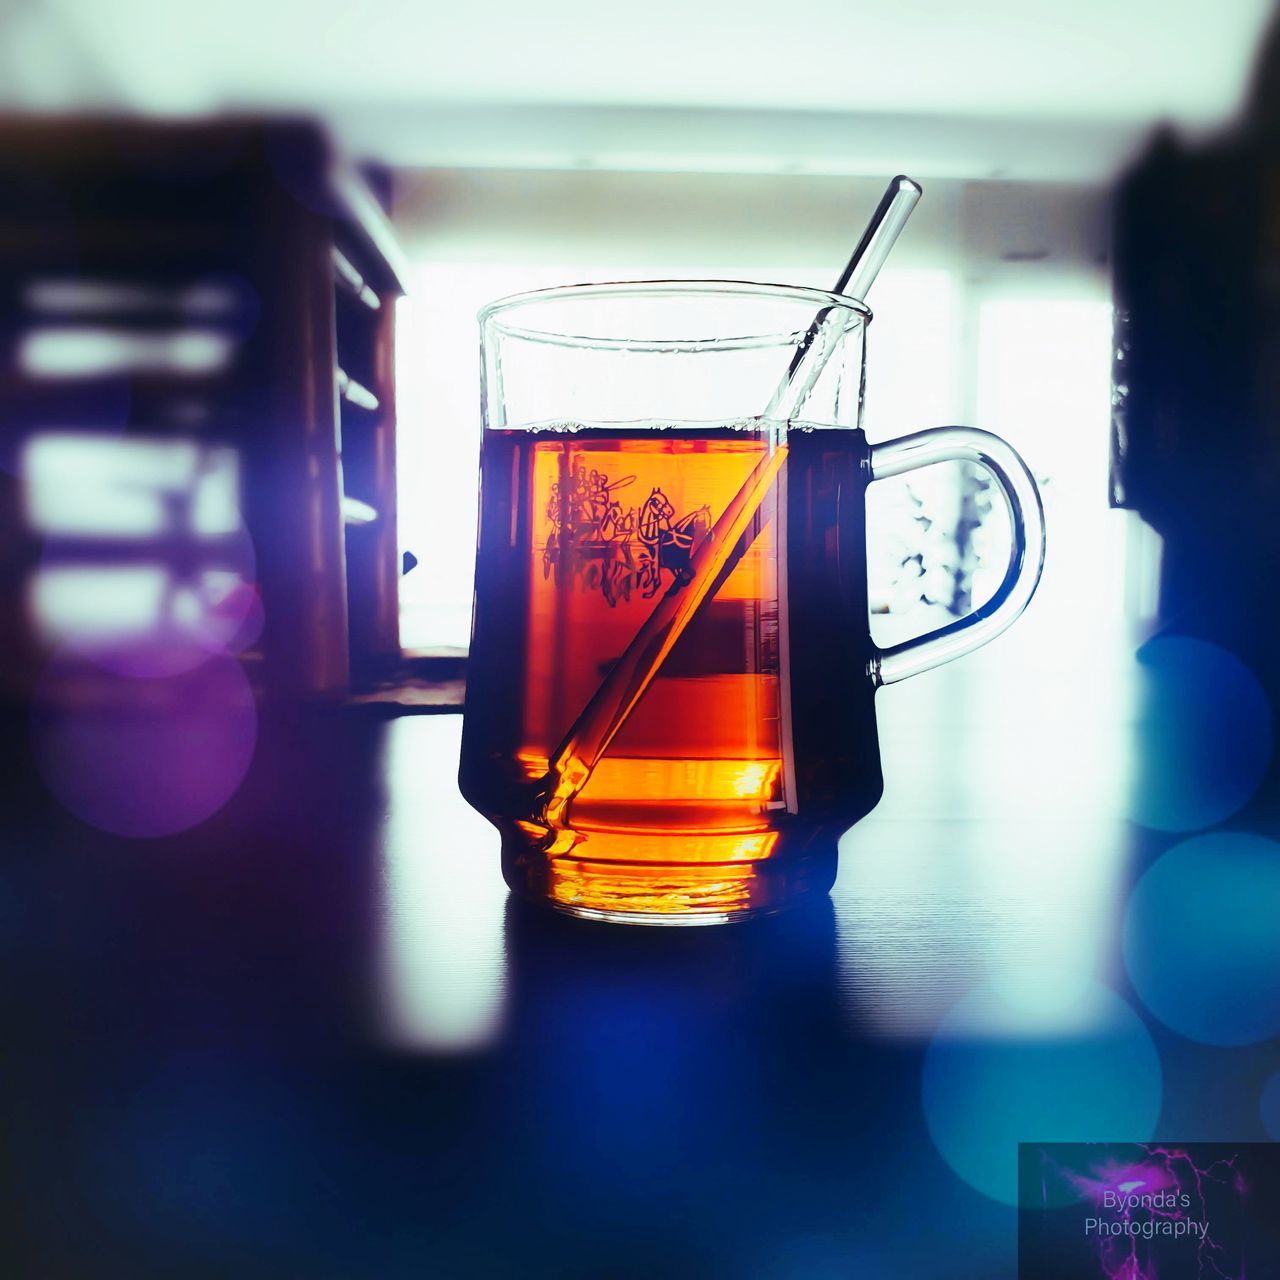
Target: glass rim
<point>823,302</point>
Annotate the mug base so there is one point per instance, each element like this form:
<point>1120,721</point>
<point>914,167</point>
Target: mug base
<point>665,920</point>
<point>668,894</point>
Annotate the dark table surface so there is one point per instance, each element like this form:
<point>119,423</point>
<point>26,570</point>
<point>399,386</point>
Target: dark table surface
<point>314,1036</point>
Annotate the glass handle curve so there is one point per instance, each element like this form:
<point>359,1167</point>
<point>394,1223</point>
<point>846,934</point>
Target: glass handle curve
<point>1026,553</point>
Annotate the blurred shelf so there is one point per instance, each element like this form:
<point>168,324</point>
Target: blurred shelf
<point>356,393</point>
<point>355,512</point>
<point>352,283</point>
<point>218,280</point>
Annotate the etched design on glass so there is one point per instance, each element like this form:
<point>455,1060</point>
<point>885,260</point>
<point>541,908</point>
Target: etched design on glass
<point>596,543</point>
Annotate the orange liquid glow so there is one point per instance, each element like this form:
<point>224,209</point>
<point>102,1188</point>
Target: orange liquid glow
<point>583,532</point>
<point>691,774</point>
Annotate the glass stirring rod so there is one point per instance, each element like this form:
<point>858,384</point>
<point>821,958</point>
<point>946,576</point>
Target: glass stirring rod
<point>607,711</point>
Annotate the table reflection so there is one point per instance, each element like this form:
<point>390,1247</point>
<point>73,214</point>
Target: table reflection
<point>441,963</point>
<point>989,861</point>
<point>1001,849</point>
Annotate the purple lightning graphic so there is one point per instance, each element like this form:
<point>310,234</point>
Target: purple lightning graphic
<point>1164,1193</point>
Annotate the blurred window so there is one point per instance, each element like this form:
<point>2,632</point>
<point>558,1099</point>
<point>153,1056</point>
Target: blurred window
<point>142,539</point>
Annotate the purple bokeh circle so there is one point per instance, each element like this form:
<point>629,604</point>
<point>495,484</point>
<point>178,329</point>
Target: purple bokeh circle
<point>143,756</point>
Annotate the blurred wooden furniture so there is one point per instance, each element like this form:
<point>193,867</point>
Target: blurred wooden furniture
<point>230,284</point>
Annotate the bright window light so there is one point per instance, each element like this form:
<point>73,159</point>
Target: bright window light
<point>93,352</point>
<point>438,438</point>
<point>76,484</point>
<point>97,602</point>
<point>1044,384</point>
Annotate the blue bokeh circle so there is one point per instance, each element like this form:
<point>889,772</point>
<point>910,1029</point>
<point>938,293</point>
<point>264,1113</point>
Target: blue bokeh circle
<point>1202,938</point>
<point>1203,735</point>
<point>986,1086</point>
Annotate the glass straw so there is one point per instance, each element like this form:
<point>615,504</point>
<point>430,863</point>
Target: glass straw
<point>612,703</point>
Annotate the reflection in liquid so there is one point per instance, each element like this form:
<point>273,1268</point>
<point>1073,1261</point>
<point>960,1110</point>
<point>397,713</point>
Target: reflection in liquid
<point>440,948</point>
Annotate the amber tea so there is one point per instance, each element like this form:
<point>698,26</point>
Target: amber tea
<point>749,746</point>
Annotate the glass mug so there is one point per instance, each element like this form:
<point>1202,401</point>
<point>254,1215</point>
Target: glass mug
<point>670,696</point>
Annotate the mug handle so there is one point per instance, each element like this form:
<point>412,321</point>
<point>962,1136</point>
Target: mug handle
<point>1026,554</point>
